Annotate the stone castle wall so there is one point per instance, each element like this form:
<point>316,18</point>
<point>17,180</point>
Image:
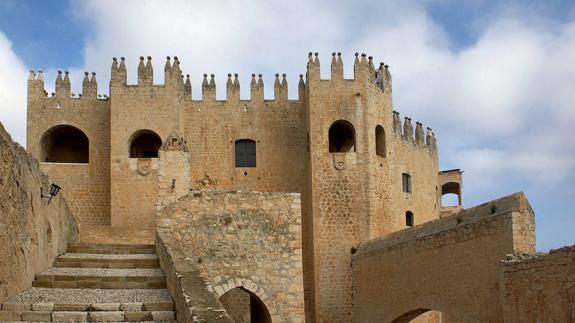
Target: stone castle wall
<point>449,265</point>
<point>356,195</point>
<point>246,240</point>
<point>87,186</point>
<point>32,233</point>
<point>539,288</point>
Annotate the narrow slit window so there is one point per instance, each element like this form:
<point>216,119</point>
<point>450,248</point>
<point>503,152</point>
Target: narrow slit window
<point>409,218</point>
<point>245,153</point>
<point>406,182</point>
<point>379,141</point>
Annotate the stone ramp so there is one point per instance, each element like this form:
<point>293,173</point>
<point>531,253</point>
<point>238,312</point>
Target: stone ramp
<point>93,289</point>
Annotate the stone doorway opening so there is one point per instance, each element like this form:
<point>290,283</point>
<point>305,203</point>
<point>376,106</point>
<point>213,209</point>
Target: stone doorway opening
<point>244,306</point>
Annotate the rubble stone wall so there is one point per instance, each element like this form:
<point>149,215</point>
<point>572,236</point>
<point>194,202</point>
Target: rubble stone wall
<point>250,240</point>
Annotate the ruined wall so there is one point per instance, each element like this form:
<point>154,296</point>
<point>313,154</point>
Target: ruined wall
<point>449,265</point>
<point>539,287</point>
<point>240,239</point>
<point>86,187</point>
<point>32,233</point>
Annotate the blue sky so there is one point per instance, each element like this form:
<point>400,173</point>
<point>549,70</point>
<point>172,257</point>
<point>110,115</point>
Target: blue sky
<point>495,80</point>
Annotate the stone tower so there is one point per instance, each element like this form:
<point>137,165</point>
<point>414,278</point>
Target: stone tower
<point>356,166</point>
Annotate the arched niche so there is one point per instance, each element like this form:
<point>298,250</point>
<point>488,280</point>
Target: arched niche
<point>64,144</point>
<point>144,144</point>
<point>341,137</point>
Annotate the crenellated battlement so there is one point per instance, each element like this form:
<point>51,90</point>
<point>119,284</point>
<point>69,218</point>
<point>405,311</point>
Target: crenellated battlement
<point>63,87</point>
<point>175,79</point>
<point>406,132</point>
<point>363,68</point>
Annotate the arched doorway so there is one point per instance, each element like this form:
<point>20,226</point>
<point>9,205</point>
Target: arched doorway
<point>424,316</point>
<point>64,144</point>
<point>145,144</point>
<point>244,306</point>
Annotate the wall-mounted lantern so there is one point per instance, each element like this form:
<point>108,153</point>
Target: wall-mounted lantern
<point>54,189</point>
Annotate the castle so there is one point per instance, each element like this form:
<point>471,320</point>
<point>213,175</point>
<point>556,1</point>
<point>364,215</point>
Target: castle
<point>330,180</point>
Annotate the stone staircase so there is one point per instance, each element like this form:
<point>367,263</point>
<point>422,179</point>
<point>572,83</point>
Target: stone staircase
<point>96,283</point>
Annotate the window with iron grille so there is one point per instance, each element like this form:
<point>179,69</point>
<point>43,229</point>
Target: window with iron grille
<point>245,153</point>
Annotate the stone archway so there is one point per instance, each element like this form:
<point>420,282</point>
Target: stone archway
<point>244,301</point>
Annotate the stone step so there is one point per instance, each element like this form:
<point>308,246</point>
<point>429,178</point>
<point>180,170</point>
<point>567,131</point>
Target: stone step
<point>87,316</point>
<point>100,278</point>
<point>95,305</point>
<point>111,248</point>
<point>113,261</point>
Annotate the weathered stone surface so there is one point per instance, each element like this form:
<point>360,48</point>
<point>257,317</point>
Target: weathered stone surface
<point>47,307</point>
<point>192,299</point>
<point>131,307</point>
<point>105,307</point>
<point>138,316</point>
<point>16,307</point>
<point>106,316</point>
<point>33,233</point>
<point>37,316</point>
<point>163,315</point>
<point>246,240</point>
<point>70,316</point>
<point>10,315</point>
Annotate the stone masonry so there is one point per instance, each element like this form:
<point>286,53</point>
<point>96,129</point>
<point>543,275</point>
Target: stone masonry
<point>267,202</point>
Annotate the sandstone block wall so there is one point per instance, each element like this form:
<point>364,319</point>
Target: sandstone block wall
<point>247,240</point>
<point>540,287</point>
<point>32,233</point>
<point>449,265</point>
<point>86,187</point>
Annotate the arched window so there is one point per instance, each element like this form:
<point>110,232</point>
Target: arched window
<point>409,218</point>
<point>451,194</point>
<point>379,141</point>
<point>145,144</point>
<point>245,153</point>
<point>64,144</point>
<point>341,137</point>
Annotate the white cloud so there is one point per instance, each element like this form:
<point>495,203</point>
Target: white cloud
<point>13,76</point>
